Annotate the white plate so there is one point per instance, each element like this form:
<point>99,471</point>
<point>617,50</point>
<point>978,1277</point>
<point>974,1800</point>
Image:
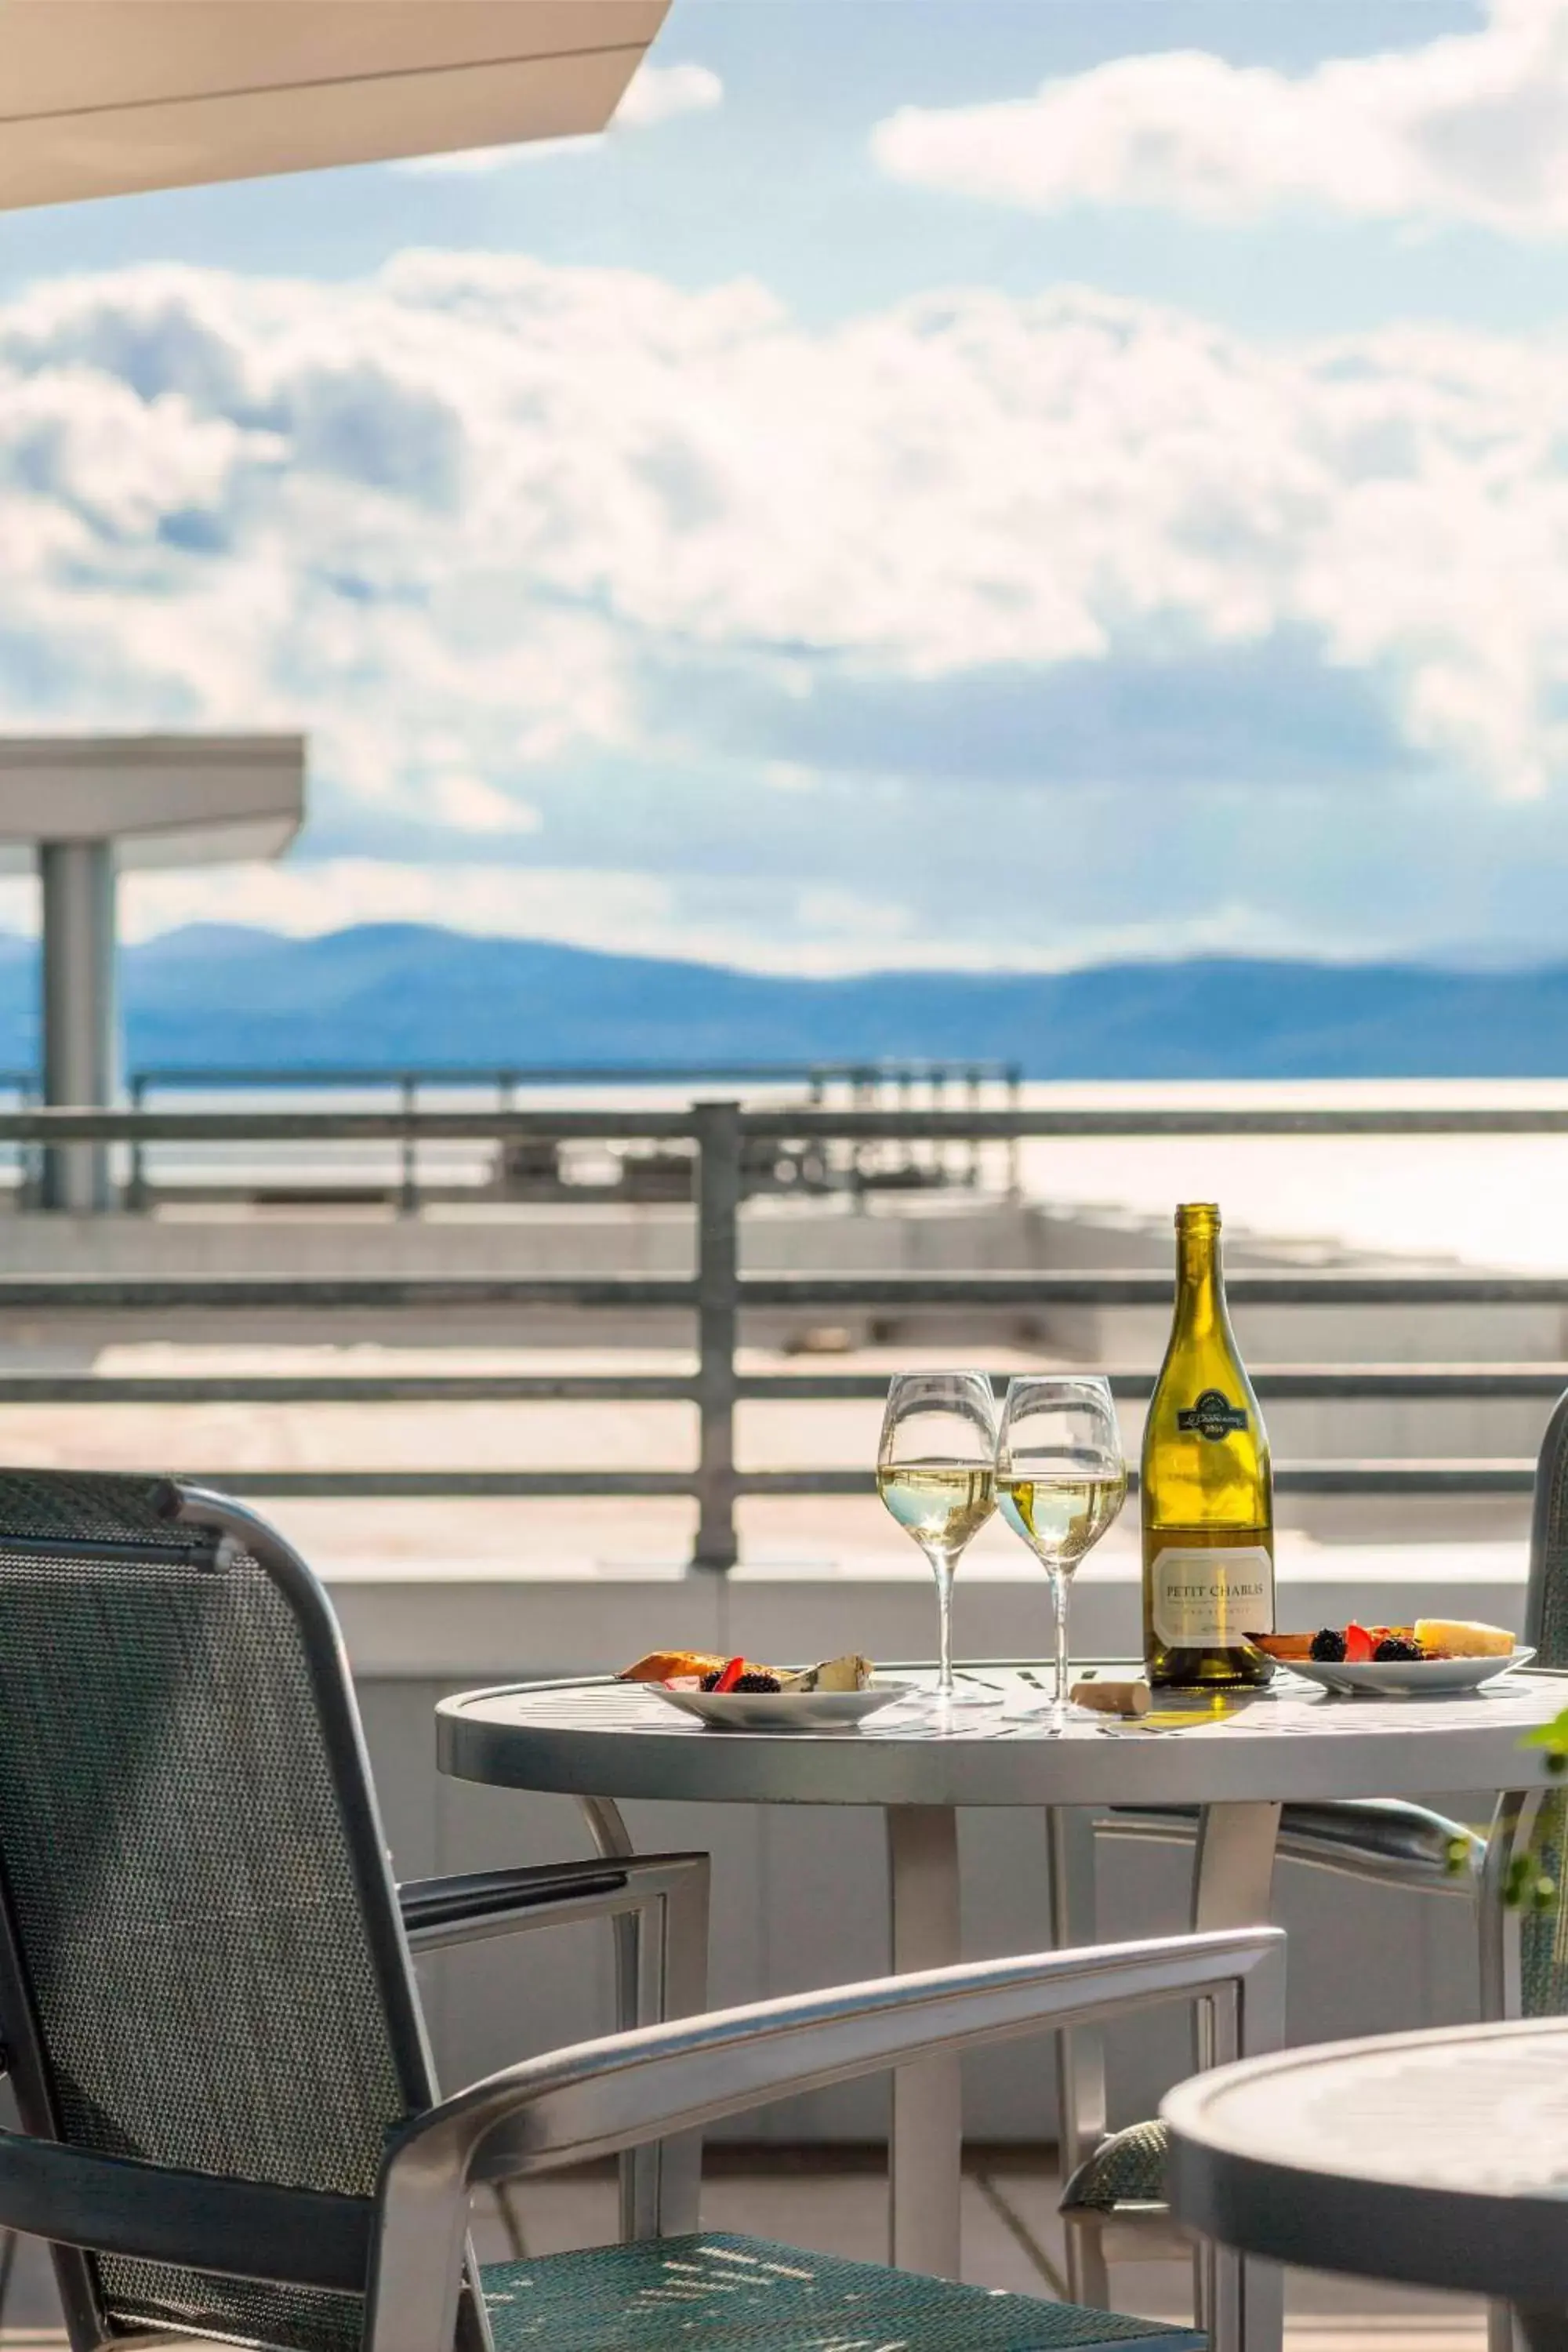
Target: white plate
<point>1407,1678</point>
<point>781,1710</point>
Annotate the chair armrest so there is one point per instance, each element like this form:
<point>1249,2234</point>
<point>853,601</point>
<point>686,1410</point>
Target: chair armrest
<point>459,1909</point>
<point>1383,1839</point>
<point>627,2089</point>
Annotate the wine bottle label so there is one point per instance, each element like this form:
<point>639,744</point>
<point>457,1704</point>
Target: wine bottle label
<point>1212,1416</point>
<point>1207,1599</point>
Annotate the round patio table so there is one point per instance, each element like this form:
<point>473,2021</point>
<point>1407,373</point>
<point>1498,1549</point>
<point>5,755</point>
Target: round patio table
<point>600,1740</point>
<point>1437,2159</point>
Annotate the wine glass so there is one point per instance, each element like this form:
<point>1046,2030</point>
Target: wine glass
<point>936,1472</point>
<point>1061,1478</point>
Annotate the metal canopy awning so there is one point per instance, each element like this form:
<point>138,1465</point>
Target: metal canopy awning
<point>103,97</point>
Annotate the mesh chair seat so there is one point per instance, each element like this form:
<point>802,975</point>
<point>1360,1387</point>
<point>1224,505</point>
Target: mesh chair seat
<point>746,2294</point>
<point>1128,2168</point>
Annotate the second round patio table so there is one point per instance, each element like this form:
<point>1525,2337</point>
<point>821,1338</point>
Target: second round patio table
<point>601,1742</point>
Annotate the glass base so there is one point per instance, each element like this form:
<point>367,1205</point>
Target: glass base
<point>966,1691</point>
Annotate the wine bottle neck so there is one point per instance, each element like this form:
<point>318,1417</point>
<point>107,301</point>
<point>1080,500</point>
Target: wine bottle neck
<point>1200,1285</point>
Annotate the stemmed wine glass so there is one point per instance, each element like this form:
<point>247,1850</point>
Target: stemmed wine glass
<point>936,1472</point>
<point>1061,1478</point>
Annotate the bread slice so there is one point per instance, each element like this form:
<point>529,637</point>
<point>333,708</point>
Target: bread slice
<point>660,1665</point>
<point>1283,1646</point>
<point>1456,1637</point>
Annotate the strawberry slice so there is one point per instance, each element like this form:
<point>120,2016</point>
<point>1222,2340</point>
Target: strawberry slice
<point>737,1667</point>
<point>1359,1644</point>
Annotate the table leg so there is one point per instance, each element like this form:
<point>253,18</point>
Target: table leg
<point>926,2152</point>
<point>1233,1886</point>
<point>658,1975</point>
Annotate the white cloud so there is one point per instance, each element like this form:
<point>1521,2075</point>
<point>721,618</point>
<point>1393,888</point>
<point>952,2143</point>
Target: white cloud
<point>468,804</point>
<point>655,94</point>
<point>488,526</point>
<point>659,93</point>
<point>1473,127</point>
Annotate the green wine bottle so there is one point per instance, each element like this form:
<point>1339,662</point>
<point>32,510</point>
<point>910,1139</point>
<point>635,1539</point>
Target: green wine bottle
<point>1207,1487</point>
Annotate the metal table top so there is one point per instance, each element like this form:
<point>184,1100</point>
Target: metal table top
<point>593,1737</point>
<point>1438,2157</point>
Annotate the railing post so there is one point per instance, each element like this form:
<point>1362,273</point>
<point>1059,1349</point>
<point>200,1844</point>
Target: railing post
<point>718,1128</point>
<point>1015,1153</point>
<point>136,1179</point>
<point>408,1197</point>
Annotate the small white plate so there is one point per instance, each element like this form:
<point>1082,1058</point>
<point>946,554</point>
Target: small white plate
<point>1407,1678</point>
<point>781,1710</point>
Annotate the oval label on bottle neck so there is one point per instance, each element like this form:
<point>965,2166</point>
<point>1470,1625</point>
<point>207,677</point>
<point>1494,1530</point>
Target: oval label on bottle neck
<point>1212,1416</point>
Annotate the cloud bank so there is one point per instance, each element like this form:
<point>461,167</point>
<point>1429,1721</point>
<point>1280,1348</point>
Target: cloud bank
<point>1473,128</point>
<point>790,634</point>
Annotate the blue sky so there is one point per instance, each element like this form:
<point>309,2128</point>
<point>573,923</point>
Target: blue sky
<point>983,481</point>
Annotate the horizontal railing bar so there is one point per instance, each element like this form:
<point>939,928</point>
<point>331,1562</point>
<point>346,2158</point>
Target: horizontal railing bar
<point>962,1126</point>
<point>462,1485</point>
<point>1283,1288</point>
<point>801,1122</point>
<point>389,1126</point>
<point>345,1388</point>
<point>790,1293</point>
<point>1282,1383</point>
<point>922,1069</point>
<point>1325,1384</point>
<point>1348,1478</point>
<point>290,1292</point>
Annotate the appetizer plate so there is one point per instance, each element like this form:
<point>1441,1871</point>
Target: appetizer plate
<point>1408,1677</point>
<point>781,1710</point>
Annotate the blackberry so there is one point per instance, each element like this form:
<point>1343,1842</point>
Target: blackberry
<point>756,1683</point>
<point>1329,1646</point>
<point>711,1682</point>
<point>1396,1648</point>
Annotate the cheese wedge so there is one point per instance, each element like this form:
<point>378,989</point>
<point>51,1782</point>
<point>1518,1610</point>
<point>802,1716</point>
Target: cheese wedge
<point>850,1672</point>
<point>1461,1639</point>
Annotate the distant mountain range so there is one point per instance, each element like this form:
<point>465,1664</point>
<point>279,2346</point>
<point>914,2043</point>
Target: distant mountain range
<point>406,993</point>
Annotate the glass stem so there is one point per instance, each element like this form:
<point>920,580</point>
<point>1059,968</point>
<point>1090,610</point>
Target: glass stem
<point>1061,1586</point>
<point>943,1565</point>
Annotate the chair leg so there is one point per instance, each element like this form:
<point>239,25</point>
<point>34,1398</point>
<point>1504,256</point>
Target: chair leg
<point>661,1972</point>
<point>1088,2278</point>
<point>677,1939</point>
<point>1080,2053</point>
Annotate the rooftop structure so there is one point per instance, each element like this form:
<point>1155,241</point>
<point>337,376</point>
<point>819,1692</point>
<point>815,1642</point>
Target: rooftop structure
<point>107,97</point>
<point>87,805</point>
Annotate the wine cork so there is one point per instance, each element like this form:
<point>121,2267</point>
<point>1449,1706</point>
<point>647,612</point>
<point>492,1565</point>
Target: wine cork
<point>1112,1698</point>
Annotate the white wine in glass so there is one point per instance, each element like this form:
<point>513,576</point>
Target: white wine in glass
<point>936,1472</point>
<point>1061,1479</point>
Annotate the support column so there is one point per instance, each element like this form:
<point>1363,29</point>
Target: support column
<point>79,1012</point>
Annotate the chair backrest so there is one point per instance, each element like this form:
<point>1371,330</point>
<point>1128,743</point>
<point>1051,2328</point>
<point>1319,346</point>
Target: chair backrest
<point>1546,1607</point>
<point>1544,1935</point>
<point>201,1960</point>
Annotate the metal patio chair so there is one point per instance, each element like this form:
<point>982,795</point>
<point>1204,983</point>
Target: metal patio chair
<point>1114,2201</point>
<point>231,2126</point>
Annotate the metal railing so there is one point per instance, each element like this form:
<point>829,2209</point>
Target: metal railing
<point>718,1296</point>
<point>864,1084</point>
